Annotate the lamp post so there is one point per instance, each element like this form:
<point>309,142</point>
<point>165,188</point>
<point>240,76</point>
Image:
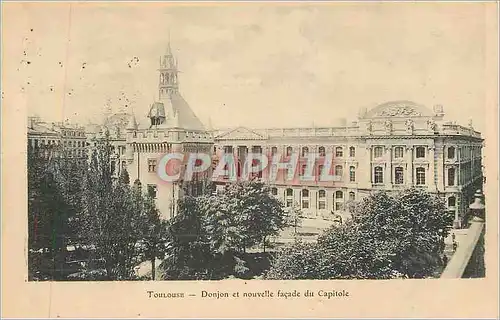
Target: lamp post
<point>477,207</point>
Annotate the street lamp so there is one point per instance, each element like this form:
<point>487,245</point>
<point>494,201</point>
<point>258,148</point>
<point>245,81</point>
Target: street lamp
<point>477,207</point>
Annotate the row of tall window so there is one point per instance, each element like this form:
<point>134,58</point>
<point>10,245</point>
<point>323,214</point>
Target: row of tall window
<point>378,175</point>
<point>378,152</point>
<point>74,144</point>
<point>339,171</point>
<point>73,133</point>
<point>339,151</point>
<point>338,198</point>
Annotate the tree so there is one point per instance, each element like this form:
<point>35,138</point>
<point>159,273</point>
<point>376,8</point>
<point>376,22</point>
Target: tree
<point>111,220</point>
<point>294,217</point>
<point>187,252</point>
<point>47,213</point>
<point>254,211</point>
<point>411,225</point>
<point>295,262</point>
<point>124,177</point>
<point>388,236</point>
<point>153,231</point>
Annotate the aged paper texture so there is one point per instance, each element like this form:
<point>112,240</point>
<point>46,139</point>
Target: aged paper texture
<point>396,214</point>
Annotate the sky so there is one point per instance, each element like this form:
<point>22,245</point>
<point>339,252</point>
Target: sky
<point>250,64</point>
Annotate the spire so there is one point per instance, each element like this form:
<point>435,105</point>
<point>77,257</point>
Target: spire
<point>169,48</point>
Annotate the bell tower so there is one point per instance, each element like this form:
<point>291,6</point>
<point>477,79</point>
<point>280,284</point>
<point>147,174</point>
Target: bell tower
<point>168,74</point>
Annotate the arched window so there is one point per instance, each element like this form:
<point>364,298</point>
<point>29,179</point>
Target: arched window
<point>378,175</point>
<point>420,152</point>
<point>398,152</point>
<point>352,174</point>
<point>352,196</point>
<point>305,151</point>
<point>289,192</point>
<point>289,151</point>
<point>320,171</point>
<point>352,152</point>
<point>451,152</point>
<point>339,195</point>
<point>377,152</point>
<point>339,152</point>
<point>339,171</point>
<point>420,176</point>
<point>305,199</point>
<point>274,191</point>
<point>398,175</point>
<point>274,150</point>
<point>321,199</point>
<point>322,151</point>
<point>452,201</point>
<point>451,176</point>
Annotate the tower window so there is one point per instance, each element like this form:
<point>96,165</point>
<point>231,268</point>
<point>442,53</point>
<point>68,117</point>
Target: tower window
<point>151,165</point>
<point>420,176</point>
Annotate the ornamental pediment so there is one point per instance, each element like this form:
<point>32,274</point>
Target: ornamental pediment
<point>240,133</point>
<point>401,110</point>
<point>398,109</point>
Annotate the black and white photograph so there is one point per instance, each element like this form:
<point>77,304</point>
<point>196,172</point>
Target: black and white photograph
<point>241,143</point>
<point>216,149</point>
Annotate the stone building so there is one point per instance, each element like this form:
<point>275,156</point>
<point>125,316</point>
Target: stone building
<point>68,139</point>
<point>392,146</point>
<point>171,127</point>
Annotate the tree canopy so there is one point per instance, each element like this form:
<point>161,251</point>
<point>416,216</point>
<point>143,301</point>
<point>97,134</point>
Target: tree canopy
<point>389,236</point>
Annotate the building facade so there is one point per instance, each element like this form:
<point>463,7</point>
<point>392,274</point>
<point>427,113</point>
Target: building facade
<point>393,146</point>
<point>171,127</point>
<point>68,140</point>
